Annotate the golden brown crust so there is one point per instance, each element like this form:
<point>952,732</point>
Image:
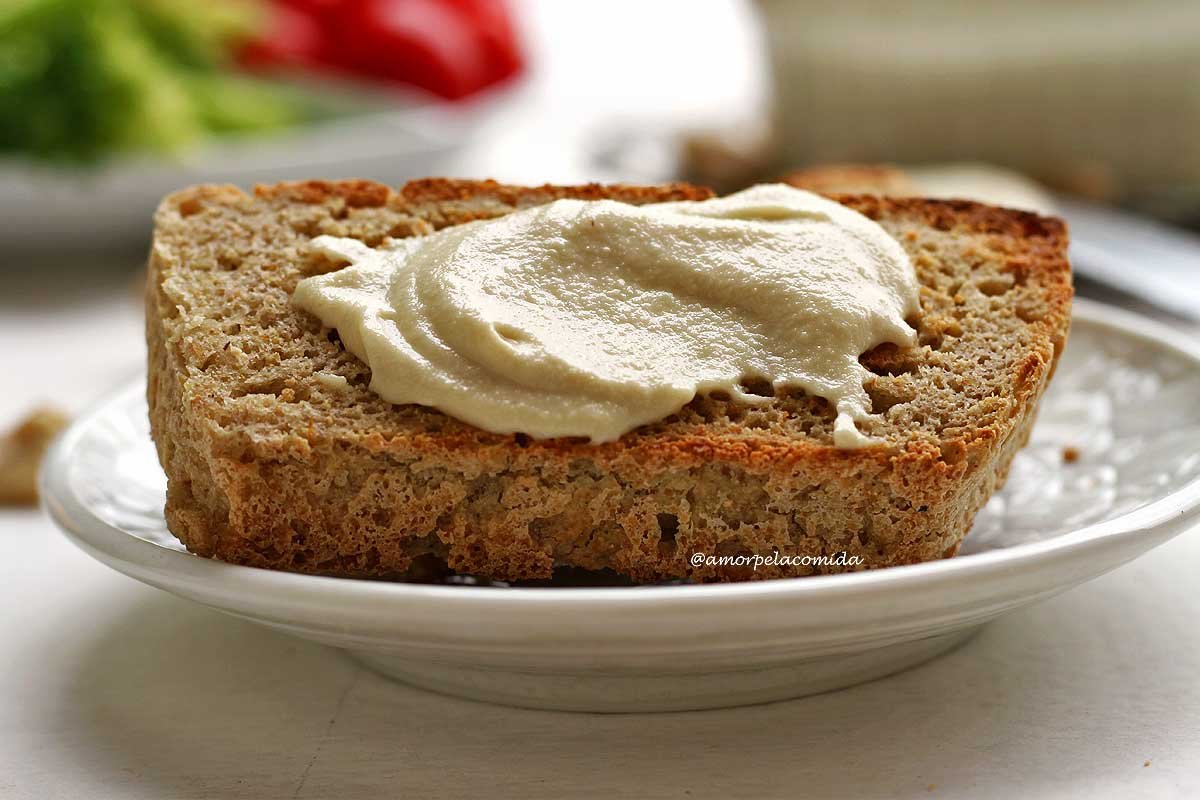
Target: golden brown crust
<point>355,193</point>
<point>369,194</point>
<point>441,190</point>
<point>268,468</point>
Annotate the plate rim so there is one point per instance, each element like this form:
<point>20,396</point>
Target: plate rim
<point>113,545</point>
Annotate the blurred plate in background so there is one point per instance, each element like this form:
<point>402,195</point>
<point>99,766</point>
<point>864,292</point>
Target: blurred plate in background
<point>111,206</point>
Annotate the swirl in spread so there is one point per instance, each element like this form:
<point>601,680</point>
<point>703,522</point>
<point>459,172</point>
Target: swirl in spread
<point>590,318</point>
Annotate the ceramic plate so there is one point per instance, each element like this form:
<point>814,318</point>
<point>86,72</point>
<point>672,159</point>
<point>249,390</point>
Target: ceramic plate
<point>111,205</point>
<point>1123,405</point>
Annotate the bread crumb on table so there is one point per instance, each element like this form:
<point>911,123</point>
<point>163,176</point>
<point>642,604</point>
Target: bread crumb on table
<point>1070,454</point>
<point>21,452</point>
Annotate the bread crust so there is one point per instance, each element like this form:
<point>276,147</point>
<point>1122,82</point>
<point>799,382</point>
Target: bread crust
<point>268,467</point>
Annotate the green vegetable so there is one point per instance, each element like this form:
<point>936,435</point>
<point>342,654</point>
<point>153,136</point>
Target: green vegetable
<point>83,79</point>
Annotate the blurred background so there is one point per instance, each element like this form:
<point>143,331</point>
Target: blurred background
<point>1083,108</point>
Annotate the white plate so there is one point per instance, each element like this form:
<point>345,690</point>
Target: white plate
<point>109,206</point>
<point>1125,396</point>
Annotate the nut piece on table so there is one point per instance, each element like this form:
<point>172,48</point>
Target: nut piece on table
<point>21,452</point>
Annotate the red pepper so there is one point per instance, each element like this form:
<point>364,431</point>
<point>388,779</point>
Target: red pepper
<point>452,48</point>
<point>494,26</point>
<point>293,37</point>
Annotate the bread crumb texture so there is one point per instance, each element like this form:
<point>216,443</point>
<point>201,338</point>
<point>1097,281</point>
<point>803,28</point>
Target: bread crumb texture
<point>279,456</point>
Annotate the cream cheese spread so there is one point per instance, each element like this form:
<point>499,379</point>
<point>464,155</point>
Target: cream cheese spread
<point>591,318</point>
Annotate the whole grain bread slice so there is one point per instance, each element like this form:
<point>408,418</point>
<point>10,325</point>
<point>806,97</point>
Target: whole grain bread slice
<point>278,455</point>
<point>882,179</point>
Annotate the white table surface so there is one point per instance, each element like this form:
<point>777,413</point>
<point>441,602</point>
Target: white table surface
<point>111,689</point>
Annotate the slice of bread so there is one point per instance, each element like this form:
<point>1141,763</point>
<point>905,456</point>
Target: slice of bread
<point>854,179</point>
<point>985,183</point>
<point>279,456</point>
